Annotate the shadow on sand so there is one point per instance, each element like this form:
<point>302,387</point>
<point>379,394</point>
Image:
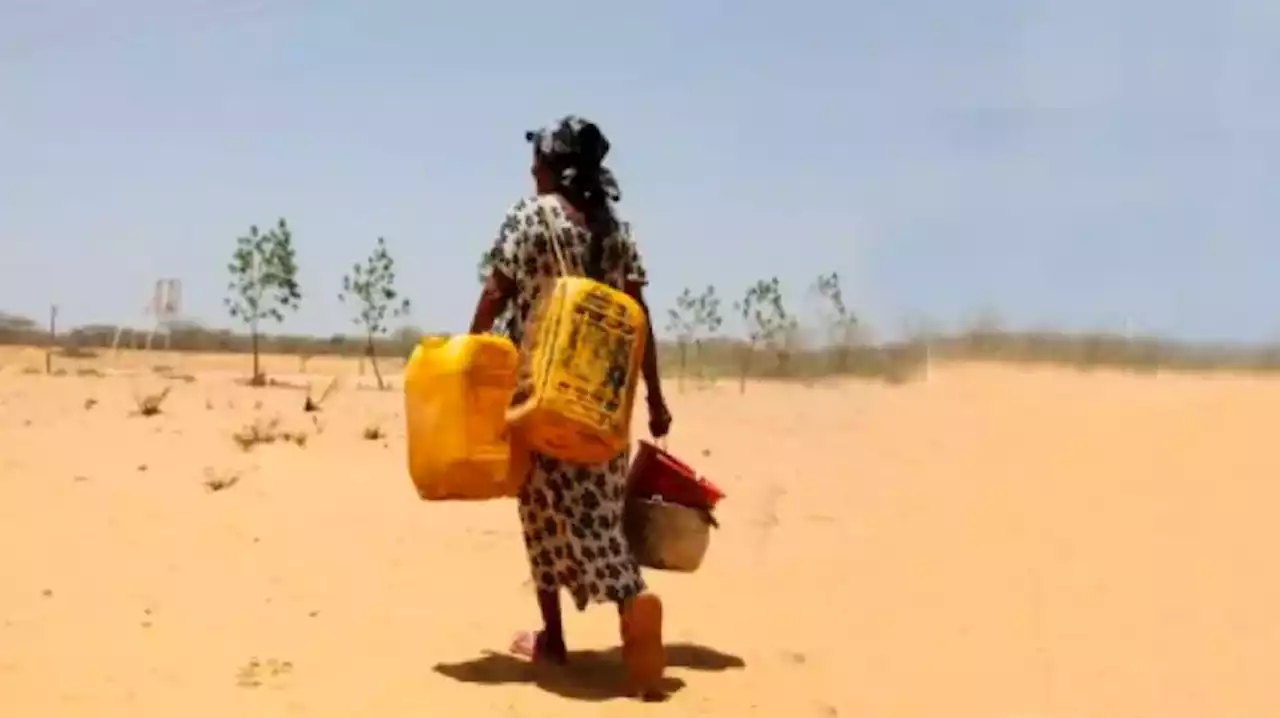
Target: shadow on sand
<point>589,676</point>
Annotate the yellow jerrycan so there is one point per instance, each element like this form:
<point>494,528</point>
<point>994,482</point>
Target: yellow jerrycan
<point>579,366</point>
<point>456,392</point>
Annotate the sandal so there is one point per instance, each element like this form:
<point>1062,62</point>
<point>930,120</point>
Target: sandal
<point>536,648</point>
<point>642,650</point>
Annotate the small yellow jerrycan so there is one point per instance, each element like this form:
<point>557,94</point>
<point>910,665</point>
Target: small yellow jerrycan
<point>456,392</point>
<point>578,372</point>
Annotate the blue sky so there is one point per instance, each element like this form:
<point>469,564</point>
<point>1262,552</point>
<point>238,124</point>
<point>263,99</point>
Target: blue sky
<point>1076,164</point>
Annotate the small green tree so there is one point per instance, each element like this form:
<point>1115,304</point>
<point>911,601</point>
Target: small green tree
<point>680,323</point>
<point>694,318</point>
<point>371,288</point>
<point>264,282</point>
<point>706,312</point>
<point>842,324</point>
<point>767,323</point>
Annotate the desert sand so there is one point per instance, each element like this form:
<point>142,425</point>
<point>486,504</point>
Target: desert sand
<point>993,542</point>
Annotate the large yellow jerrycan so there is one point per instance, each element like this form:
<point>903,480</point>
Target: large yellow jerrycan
<point>456,392</point>
<point>578,371</point>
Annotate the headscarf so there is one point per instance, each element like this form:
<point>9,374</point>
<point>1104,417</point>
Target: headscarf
<point>574,148</point>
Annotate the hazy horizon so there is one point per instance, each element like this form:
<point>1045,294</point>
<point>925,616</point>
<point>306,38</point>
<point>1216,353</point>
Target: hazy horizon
<point>1077,166</point>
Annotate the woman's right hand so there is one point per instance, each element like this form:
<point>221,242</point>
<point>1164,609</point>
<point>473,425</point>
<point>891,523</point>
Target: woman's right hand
<point>659,417</point>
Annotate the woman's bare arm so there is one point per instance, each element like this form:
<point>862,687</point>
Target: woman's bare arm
<point>496,295</point>
<point>649,366</point>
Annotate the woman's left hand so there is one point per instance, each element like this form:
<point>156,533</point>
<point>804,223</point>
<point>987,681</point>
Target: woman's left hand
<point>659,417</point>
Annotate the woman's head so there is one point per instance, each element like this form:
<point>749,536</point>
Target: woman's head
<point>568,159</point>
<point>570,150</point>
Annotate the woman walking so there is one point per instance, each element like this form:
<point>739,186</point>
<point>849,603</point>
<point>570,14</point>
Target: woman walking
<point>572,514</point>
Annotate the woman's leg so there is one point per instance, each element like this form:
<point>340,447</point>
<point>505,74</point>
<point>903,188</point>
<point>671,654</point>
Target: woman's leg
<point>643,652</point>
<point>639,611</point>
<point>552,628</point>
<point>548,644</point>
<point>543,541</point>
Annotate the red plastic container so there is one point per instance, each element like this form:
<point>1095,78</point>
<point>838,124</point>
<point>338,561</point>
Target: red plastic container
<point>655,472</point>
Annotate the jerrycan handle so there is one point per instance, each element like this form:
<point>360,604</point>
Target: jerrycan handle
<point>434,341</point>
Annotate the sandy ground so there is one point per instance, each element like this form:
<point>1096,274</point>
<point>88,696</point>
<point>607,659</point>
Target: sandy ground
<point>992,543</point>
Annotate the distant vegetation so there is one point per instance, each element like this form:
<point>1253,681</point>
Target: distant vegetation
<point>719,357</point>
<point>771,340</point>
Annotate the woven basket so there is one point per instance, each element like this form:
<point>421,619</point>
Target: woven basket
<point>666,536</point>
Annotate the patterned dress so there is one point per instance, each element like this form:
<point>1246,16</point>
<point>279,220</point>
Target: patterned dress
<point>571,513</point>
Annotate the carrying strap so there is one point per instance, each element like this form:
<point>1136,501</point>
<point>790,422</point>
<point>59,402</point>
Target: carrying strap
<point>553,235</point>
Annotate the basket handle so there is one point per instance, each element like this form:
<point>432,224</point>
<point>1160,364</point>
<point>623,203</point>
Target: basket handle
<point>709,517</point>
<point>662,445</point>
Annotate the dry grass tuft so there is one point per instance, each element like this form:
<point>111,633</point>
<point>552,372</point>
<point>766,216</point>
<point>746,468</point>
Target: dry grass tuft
<point>311,405</point>
<point>267,432</point>
<point>256,673</point>
<point>215,481</point>
<point>151,404</point>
